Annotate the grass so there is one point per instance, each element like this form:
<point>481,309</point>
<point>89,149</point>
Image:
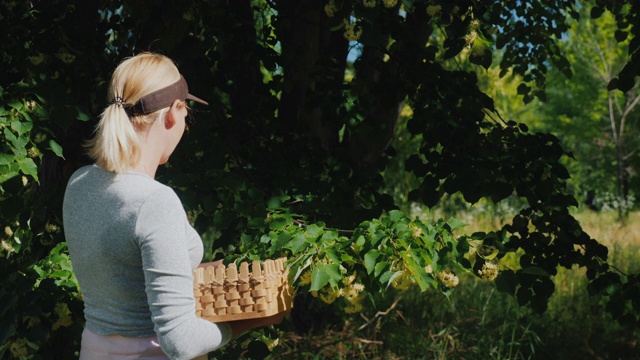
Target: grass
<point>478,322</point>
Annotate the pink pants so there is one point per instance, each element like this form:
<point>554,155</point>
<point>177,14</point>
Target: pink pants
<point>118,347</point>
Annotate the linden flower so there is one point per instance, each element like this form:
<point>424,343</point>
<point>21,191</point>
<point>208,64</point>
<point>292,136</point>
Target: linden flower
<point>416,232</point>
<point>305,278</point>
<point>428,269</point>
<point>36,60</point>
<point>65,57</point>
<point>369,3</point>
<point>349,280</point>
<point>33,152</point>
<point>8,231</point>
<point>474,24</point>
<point>64,316</point>
<point>51,228</point>
<point>470,38</point>
<point>62,322</point>
<point>329,296</point>
<point>448,279</point>
<point>331,9</point>
<point>30,105</point>
<point>18,348</point>
<point>7,247</point>
<point>353,308</point>
<point>271,343</point>
<point>489,271</point>
<point>352,292</point>
<point>352,31</point>
<point>432,10</point>
<point>31,321</point>
<point>62,309</point>
<point>389,3</point>
<point>402,282</point>
<point>25,181</point>
<point>40,137</point>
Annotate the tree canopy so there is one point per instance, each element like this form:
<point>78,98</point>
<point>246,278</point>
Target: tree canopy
<point>297,154</point>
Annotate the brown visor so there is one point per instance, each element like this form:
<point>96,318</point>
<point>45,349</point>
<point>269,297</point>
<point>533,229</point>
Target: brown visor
<point>162,98</point>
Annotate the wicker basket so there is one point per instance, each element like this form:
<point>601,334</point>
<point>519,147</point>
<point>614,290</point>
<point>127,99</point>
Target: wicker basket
<point>224,294</point>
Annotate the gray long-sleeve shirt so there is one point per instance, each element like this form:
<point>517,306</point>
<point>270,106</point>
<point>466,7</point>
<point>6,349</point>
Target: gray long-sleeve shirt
<point>133,251</point>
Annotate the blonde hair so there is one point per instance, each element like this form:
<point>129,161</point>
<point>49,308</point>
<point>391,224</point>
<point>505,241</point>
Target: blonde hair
<point>116,146</point>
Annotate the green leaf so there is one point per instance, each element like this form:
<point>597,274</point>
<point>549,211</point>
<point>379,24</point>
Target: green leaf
<point>28,167</point>
<point>389,276</point>
<point>377,236</point>
<point>488,252</point>
<point>539,304</point>
<point>380,267</point>
<point>283,239</point>
<point>331,254</point>
<point>395,215</point>
<point>523,89</point>
<point>255,222</point>
<point>257,350</point>
<point>297,244</point>
<point>21,127</point>
<point>339,26</point>
<point>506,282</point>
<point>370,259</point>
<point>456,224</point>
<point>56,148</point>
<point>279,222</point>
<point>6,159</point>
<point>82,115</point>
<point>41,273</point>
<point>333,270</point>
<point>596,12</point>
<point>322,274</point>
<point>534,270</point>
<point>319,279</point>
<point>409,258</point>
<point>314,231</point>
<point>16,105</point>
<point>9,135</point>
<point>481,55</point>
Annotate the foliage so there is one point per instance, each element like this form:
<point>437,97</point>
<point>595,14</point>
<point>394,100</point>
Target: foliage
<point>598,130</point>
<point>290,156</point>
<point>480,323</point>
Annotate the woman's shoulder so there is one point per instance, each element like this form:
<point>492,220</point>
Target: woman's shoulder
<point>132,184</point>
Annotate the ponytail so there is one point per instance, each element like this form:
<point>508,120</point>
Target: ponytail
<point>116,146</point>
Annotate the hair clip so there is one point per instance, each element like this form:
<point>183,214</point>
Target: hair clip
<point>118,101</point>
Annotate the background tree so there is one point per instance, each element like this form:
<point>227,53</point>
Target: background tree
<point>595,123</point>
<point>290,156</point>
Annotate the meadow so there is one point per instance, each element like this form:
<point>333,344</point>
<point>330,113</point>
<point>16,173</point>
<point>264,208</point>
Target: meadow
<point>479,322</point>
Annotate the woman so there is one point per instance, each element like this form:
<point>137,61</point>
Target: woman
<point>132,247</point>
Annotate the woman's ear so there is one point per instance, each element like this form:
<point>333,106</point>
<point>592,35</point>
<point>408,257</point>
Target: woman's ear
<point>172,115</point>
